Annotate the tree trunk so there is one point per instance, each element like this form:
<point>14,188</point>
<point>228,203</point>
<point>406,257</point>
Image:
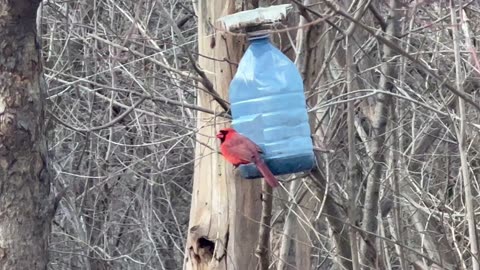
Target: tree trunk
<point>368,249</point>
<point>225,211</point>
<point>25,212</point>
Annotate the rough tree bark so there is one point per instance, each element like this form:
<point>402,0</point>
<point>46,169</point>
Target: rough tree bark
<point>25,211</point>
<point>225,211</point>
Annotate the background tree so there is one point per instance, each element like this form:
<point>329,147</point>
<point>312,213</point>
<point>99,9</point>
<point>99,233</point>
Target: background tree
<point>26,209</point>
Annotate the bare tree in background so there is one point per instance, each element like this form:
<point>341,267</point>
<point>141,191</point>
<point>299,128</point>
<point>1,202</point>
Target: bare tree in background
<point>26,211</point>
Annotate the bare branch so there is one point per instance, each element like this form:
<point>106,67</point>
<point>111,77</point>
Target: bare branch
<point>205,80</point>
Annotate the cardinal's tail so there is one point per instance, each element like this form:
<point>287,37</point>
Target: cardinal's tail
<point>267,174</point>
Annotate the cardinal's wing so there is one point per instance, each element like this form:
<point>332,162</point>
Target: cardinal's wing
<point>253,146</point>
<point>242,148</point>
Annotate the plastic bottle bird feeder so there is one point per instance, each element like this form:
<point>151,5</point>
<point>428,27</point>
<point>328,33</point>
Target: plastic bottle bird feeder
<point>267,97</point>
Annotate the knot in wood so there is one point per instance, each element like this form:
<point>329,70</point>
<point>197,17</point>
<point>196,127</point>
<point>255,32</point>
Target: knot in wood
<point>7,124</point>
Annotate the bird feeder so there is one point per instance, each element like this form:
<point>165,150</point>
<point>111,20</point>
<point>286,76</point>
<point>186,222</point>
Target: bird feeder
<point>267,97</point>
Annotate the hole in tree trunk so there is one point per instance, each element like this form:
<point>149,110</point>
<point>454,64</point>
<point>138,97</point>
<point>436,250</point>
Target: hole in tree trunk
<point>205,249</point>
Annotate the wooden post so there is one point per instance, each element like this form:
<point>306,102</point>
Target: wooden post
<point>225,210</point>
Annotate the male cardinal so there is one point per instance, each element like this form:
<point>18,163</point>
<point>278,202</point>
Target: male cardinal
<point>238,149</point>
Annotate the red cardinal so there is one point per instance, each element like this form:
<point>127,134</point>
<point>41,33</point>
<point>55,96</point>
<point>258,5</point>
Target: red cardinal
<point>238,149</point>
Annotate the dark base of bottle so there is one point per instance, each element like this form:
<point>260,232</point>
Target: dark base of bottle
<point>279,166</point>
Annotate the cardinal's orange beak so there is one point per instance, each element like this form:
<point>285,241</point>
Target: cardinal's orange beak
<point>220,135</point>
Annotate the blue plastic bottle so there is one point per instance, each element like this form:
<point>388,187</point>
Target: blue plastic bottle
<point>268,106</point>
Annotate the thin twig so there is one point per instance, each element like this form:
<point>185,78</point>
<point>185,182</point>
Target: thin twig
<point>262,251</point>
<point>353,181</point>
<point>153,98</point>
<point>462,146</point>
<point>104,126</point>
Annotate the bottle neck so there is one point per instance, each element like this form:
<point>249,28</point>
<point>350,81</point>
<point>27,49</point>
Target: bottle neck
<point>258,36</point>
